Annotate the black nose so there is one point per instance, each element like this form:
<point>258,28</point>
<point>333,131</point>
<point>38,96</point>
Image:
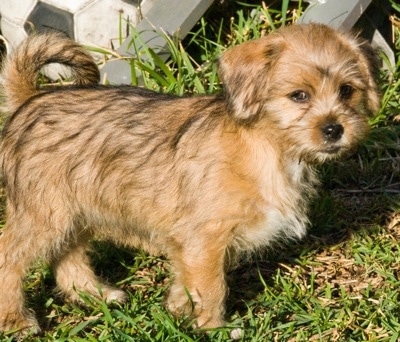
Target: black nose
<point>332,132</point>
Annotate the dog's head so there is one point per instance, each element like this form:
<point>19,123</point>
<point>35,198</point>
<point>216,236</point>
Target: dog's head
<point>309,86</point>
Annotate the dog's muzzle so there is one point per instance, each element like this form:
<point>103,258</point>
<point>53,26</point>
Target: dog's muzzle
<point>332,132</point>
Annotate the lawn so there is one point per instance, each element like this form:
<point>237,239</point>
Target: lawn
<point>340,283</point>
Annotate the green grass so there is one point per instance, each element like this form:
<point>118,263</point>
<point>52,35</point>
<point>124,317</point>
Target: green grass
<point>338,284</point>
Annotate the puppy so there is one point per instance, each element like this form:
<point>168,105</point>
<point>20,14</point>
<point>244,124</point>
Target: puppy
<point>201,180</point>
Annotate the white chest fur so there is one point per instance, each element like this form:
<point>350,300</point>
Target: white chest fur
<point>282,208</point>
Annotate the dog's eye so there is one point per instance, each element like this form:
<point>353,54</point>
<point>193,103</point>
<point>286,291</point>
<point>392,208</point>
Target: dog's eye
<point>346,91</point>
<point>299,96</point>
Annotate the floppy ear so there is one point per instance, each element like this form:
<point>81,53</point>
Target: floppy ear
<point>243,71</point>
<point>369,64</point>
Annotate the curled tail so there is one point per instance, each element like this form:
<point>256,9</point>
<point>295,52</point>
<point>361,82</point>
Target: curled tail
<point>21,70</point>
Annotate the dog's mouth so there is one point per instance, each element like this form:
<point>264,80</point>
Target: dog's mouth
<point>333,149</point>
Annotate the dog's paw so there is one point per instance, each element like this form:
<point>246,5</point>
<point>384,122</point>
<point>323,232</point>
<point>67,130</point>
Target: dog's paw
<point>112,295</point>
<point>19,325</point>
<point>103,292</point>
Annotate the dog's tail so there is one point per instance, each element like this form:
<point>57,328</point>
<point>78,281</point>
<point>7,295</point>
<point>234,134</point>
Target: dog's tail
<point>20,73</point>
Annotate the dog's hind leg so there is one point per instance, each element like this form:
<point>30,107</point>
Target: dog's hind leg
<point>74,275</point>
<point>25,239</point>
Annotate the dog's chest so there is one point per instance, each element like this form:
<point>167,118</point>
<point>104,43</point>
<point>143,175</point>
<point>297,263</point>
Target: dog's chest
<point>281,209</point>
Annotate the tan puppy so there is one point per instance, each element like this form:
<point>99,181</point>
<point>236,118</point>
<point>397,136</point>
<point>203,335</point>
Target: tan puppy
<point>200,179</point>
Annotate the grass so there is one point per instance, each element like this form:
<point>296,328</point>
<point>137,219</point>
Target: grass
<point>338,284</point>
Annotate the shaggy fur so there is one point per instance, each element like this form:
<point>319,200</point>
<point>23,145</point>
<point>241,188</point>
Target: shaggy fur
<point>199,179</point>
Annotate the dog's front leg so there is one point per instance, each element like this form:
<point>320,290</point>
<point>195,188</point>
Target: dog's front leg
<point>199,288</point>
